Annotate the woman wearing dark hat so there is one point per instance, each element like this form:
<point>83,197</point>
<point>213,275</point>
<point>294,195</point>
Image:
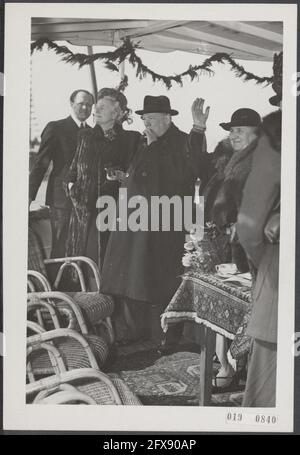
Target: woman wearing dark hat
<point>101,160</point>
<point>232,162</point>
<point>243,137</point>
<point>258,230</point>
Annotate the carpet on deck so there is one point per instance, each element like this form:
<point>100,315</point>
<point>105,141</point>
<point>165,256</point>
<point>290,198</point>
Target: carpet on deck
<point>171,380</point>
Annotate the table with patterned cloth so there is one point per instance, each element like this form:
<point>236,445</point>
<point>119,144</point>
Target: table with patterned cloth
<point>220,307</point>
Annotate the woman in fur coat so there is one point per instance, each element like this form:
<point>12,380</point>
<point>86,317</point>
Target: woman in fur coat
<point>232,161</point>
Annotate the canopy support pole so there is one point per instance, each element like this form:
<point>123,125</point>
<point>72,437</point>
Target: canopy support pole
<point>93,73</point>
<point>122,70</point>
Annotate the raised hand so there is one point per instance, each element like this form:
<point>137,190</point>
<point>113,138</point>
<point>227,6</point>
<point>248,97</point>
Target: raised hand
<point>200,117</point>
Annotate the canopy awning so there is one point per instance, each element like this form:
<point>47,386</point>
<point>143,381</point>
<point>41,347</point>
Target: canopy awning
<point>243,40</point>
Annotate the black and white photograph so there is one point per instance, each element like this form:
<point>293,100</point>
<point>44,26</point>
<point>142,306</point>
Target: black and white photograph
<point>149,238</point>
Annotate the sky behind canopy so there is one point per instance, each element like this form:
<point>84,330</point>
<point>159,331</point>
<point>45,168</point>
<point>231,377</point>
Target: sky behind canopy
<point>53,81</point>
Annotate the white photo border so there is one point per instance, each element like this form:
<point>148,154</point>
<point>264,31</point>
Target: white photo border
<point>18,415</point>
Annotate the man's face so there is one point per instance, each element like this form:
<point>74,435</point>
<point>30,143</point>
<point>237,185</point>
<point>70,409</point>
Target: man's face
<point>241,136</point>
<point>82,106</point>
<point>157,122</point>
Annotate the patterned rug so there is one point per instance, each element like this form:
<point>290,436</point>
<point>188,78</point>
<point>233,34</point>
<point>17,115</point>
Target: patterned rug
<point>172,380</point>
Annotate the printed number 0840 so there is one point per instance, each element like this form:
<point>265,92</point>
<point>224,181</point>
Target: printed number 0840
<point>260,418</point>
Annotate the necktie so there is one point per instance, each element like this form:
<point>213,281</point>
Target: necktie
<point>81,126</point>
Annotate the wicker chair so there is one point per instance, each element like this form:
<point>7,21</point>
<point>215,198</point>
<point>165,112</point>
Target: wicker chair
<point>63,394</point>
<point>76,350</point>
<point>85,385</point>
<point>64,397</point>
<point>71,350</point>
<point>96,308</point>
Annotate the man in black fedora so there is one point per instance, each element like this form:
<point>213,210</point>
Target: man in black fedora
<point>144,267</point>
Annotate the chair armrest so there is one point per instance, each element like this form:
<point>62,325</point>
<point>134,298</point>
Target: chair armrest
<point>65,265</point>
<point>35,327</point>
<point>54,355</point>
<point>60,296</point>
<point>63,394</point>
<point>41,278</point>
<point>66,397</point>
<point>72,376</point>
<point>39,339</point>
<point>30,285</point>
<point>35,302</point>
<point>93,266</point>
<point>46,392</point>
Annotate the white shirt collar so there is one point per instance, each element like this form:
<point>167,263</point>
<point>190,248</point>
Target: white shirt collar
<point>78,122</point>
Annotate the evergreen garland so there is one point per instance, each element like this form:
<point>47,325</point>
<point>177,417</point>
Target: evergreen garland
<point>128,50</point>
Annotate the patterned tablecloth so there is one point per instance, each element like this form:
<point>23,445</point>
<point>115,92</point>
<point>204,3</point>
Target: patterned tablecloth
<point>208,300</point>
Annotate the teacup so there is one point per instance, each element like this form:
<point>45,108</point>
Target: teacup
<point>227,269</point>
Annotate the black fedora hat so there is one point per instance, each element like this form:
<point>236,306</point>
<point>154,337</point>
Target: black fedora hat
<point>156,104</point>
<point>243,117</point>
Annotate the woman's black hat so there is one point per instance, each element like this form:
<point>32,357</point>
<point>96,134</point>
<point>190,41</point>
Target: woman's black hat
<point>243,117</point>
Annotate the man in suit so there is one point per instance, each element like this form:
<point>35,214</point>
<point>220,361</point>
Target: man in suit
<point>58,146</point>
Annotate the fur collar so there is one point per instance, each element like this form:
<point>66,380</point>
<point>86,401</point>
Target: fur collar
<point>240,162</point>
<point>228,163</point>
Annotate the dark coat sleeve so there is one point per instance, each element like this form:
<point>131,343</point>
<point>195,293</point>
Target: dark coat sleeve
<point>198,160</point>
<point>134,144</point>
<point>260,195</point>
<point>44,157</point>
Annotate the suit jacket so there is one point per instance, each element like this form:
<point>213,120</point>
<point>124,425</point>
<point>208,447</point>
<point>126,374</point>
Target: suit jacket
<point>261,194</point>
<point>58,145</point>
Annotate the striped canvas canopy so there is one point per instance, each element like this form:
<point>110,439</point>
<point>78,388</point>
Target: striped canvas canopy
<point>243,40</point>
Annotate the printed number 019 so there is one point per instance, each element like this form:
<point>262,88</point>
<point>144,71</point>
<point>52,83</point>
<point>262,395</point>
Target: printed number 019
<point>234,417</point>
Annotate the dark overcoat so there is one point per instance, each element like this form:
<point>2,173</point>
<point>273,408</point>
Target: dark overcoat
<point>261,194</point>
<point>146,265</point>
